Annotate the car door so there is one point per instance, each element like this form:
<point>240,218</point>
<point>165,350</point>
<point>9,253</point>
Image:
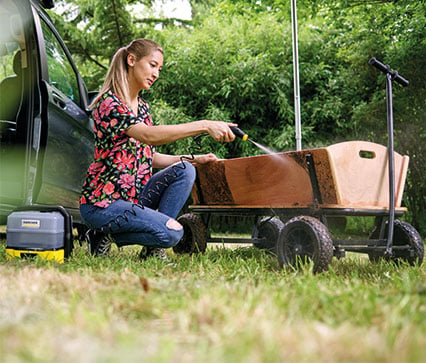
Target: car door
<point>66,128</point>
<point>19,105</point>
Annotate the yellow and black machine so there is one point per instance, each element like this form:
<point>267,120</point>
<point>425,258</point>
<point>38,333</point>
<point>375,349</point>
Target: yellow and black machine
<point>42,231</point>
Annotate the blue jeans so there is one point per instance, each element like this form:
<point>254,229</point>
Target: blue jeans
<point>151,222</point>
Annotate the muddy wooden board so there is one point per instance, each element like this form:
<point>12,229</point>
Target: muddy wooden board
<point>350,175</point>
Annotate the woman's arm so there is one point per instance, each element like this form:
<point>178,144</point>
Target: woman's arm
<point>163,134</point>
<point>164,160</point>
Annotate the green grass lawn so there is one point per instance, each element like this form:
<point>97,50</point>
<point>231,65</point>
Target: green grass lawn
<point>227,305</point>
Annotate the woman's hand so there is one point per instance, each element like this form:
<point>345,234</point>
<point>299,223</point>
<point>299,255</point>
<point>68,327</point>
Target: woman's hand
<point>220,131</point>
<point>205,158</point>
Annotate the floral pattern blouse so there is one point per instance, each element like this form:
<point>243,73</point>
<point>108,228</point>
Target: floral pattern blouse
<point>122,165</point>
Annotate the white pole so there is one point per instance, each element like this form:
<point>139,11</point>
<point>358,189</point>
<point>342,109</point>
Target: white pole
<point>296,76</point>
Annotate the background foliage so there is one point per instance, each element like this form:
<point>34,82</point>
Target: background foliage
<point>233,61</point>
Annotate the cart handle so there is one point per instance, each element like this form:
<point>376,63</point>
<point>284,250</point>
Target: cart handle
<point>387,69</point>
<point>366,154</point>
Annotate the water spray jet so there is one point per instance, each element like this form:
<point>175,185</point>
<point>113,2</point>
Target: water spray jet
<point>244,136</point>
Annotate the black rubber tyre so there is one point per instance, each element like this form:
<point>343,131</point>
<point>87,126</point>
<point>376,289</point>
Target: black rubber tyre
<point>302,239</point>
<point>81,232</point>
<point>194,239</point>
<point>269,229</point>
<point>403,234</point>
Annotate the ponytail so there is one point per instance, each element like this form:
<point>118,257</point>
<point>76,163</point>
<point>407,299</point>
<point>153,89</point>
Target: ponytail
<point>117,77</point>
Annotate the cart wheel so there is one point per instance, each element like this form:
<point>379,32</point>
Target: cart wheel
<point>404,234</point>
<point>269,229</point>
<point>305,238</point>
<point>194,239</point>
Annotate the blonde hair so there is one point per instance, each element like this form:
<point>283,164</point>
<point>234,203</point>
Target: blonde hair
<point>117,78</point>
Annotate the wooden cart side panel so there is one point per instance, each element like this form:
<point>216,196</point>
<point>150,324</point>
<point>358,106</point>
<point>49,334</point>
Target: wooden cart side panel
<point>269,180</point>
<point>325,176</point>
<point>333,175</point>
<point>346,178</point>
<point>361,173</point>
<point>279,179</point>
<point>401,181</point>
<point>211,186</point>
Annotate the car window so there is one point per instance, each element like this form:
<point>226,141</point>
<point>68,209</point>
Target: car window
<point>61,73</point>
<point>7,53</point>
<point>11,39</point>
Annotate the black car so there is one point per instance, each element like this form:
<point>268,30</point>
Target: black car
<point>46,133</point>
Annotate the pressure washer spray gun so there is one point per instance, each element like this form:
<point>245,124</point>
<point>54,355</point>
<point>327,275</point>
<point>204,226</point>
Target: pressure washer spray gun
<point>239,133</point>
<point>243,136</point>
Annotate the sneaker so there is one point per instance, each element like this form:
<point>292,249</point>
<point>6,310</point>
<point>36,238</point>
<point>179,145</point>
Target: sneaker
<point>99,242</point>
<point>147,251</point>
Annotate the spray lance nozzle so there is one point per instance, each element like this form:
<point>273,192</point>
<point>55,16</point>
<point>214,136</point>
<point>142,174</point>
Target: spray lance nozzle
<point>239,133</point>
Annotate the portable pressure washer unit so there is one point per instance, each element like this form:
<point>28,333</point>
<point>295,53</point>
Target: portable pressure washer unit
<point>39,231</point>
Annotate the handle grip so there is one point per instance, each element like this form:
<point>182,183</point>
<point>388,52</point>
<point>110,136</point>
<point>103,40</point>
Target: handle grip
<point>387,69</point>
<point>239,133</point>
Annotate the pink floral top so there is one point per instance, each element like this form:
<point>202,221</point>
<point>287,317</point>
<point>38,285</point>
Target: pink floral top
<point>122,165</point>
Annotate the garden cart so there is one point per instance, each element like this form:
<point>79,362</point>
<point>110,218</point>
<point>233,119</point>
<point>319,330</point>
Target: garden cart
<point>293,195</point>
